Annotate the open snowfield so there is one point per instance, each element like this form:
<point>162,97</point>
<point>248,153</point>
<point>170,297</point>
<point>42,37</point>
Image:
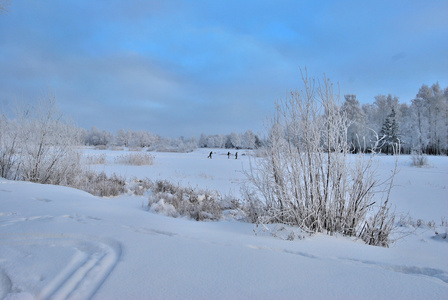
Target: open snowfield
<point>62,243</point>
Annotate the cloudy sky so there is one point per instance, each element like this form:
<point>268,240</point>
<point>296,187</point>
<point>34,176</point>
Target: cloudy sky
<point>182,68</point>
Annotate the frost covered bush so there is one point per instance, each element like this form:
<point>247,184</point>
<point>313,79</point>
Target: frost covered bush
<point>99,184</point>
<point>308,176</point>
<point>101,147</point>
<point>177,201</point>
<point>233,208</point>
<point>96,159</point>
<point>141,186</point>
<point>408,221</point>
<point>117,148</point>
<point>39,146</point>
<point>418,159</point>
<point>164,186</point>
<point>135,149</point>
<point>165,209</point>
<point>135,159</point>
<point>254,208</point>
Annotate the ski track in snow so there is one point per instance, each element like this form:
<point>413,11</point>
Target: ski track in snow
<point>10,218</point>
<point>149,231</point>
<point>81,278</point>
<point>409,270</point>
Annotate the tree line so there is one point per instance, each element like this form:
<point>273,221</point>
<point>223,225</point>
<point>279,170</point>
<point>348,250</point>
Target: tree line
<point>146,139</point>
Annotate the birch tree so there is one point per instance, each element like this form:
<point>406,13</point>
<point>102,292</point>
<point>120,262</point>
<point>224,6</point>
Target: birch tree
<point>356,130</point>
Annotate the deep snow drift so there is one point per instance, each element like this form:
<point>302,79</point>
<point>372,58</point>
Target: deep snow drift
<point>58,243</point>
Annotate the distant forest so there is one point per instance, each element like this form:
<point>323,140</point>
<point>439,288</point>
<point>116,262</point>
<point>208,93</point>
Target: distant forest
<point>145,139</point>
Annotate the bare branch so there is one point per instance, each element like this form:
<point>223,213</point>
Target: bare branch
<point>4,5</point>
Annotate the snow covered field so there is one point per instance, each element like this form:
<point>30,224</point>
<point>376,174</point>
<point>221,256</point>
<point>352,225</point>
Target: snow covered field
<point>59,243</point>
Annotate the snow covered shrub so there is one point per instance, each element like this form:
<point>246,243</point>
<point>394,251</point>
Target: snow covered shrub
<point>96,159</point>
<point>163,208</point>
<point>444,222</point>
<point>135,149</point>
<point>233,208</point>
<point>284,232</point>
<point>254,208</point>
<point>193,203</point>
<point>377,228</point>
<point>308,176</point>
<point>141,186</point>
<point>135,159</point>
<point>408,221</point>
<point>164,186</point>
<point>99,184</point>
<point>101,147</point>
<point>117,148</point>
<point>418,159</point>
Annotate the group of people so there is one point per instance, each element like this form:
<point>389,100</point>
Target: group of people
<point>228,155</point>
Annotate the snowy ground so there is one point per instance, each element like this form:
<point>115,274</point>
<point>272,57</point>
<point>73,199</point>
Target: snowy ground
<point>59,243</point>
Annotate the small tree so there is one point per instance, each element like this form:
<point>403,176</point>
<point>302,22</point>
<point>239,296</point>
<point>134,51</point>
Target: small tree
<point>389,133</point>
<point>307,176</point>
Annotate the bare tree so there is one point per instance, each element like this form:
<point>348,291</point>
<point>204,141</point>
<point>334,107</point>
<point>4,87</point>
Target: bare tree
<point>46,144</point>
<point>308,176</point>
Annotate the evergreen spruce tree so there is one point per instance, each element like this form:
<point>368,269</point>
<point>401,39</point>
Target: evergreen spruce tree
<point>389,133</point>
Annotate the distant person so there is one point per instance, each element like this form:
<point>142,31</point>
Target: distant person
<point>210,155</point>
<point>236,155</point>
<point>228,154</point>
